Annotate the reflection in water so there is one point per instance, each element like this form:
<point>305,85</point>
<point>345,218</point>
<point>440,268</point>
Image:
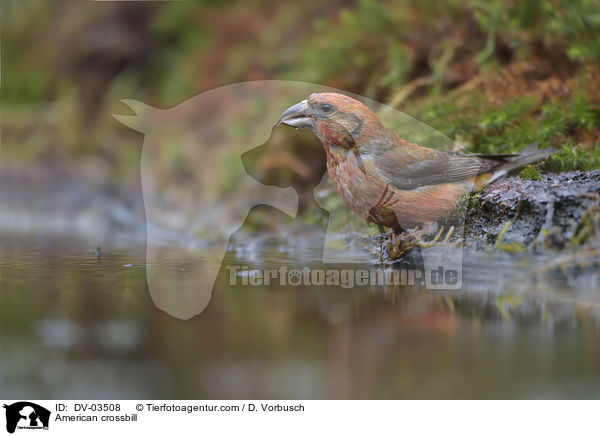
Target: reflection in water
<point>75,327</point>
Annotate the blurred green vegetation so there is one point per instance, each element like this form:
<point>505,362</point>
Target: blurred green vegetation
<point>493,75</point>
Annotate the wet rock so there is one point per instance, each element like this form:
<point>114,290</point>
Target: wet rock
<point>546,210</point>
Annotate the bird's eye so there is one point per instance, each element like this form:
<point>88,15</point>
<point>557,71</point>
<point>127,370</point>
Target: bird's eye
<point>326,107</point>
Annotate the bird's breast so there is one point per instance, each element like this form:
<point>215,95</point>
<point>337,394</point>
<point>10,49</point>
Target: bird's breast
<point>355,179</point>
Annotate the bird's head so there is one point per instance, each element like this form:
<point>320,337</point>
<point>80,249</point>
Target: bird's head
<point>336,119</point>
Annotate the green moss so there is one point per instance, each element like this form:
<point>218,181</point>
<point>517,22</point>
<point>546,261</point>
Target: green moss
<point>572,157</point>
<point>511,247</point>
<point>509,126</point>
<point>506,115</point>
<point>583,112</point>
<point>586,227</point>
<point>530,172</point>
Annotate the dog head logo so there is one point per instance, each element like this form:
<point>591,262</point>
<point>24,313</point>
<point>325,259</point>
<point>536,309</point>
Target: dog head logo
<point>191,162</point>
<point>26,415</point>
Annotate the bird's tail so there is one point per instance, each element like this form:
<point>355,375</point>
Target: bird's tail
<point>526,156</point>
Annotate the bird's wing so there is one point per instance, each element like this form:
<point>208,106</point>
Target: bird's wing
<point>436,167</point>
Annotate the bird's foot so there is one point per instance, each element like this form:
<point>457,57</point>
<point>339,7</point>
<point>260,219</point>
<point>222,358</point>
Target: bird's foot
<point>400,243</point>
<point>437,239</point>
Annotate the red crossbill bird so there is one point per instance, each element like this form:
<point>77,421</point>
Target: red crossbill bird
<point>386,179</point>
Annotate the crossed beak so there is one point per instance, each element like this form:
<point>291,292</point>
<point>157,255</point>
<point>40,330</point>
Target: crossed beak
<point>296,116</point>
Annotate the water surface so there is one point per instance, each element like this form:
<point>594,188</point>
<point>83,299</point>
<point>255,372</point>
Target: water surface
<point>74,326</point>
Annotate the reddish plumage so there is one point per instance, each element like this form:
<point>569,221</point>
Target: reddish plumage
<point>384,178</point>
